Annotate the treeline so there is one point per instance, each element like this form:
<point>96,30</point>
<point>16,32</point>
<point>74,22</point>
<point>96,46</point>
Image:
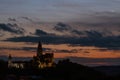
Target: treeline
<point>63,70</point>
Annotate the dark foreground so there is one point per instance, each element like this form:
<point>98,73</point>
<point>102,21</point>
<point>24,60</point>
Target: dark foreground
<point>64,70</point>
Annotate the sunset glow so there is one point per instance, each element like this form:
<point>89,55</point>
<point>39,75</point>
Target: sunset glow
<point>74,29</point>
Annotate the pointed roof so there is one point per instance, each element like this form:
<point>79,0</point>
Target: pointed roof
<point>39,49</point>
<point>10,57</point>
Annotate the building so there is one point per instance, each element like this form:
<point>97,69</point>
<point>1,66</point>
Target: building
<point>41,60</point>
<point>15,64</point>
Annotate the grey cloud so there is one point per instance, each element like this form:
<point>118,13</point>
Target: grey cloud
<point>94,34</point>
<point>62,27</point>
<point>34,49</point>
<point>98,29</point>
<point>92,38</point>
<point>26,18</point>
<point>12,19</point>
<point>22,48</point>
<point>77,32</point>
<point>40,32</point>
<point>66,51</point>
<point>31,20</point>
<point>13,28</point>
<point>111,42</point>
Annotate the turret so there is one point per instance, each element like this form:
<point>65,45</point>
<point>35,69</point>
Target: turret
<point>9,61</point>
<point>39,50</point>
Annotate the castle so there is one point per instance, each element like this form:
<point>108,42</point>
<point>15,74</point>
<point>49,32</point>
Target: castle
<point>41,60</point>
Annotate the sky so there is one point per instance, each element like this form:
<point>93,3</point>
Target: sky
<point>86,31</point>
<point>61,10</point>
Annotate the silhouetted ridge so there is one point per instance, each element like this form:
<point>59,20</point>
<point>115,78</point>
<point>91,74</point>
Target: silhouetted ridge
<point>67,70</point>
<point>109,70</point>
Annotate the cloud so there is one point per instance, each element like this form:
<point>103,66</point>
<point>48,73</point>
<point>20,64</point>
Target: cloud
<point>31,20</point>
<point>13,28</point>
<point>110,42</point>
<point>40,32</point>
<point>22,48</point>
<point>77,32</point>
<point>34,49</point>
<point>45,39</point>
<point>86,29</point>
<point>83,38</point>
<point>62,27</point>
<point>88,33</point>
<point>93,34</point>
<point>12,19</point>
<point>27,18</point>
<point>66,51</point>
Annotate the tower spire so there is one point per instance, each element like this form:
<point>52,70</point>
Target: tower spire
<point>9,61</point>
<point>39,49</point>
<point>10,57</point>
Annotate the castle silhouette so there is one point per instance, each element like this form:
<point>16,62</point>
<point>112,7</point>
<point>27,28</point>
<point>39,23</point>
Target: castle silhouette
<point>41,60</point>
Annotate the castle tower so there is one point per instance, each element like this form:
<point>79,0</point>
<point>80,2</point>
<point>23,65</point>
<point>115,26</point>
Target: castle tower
<point>39,50</point>
<point>9,61</point>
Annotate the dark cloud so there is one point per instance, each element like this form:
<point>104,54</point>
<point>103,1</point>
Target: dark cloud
<point>45,39</point>
<point>77,32</point>
<point>66,51</point>
<point>62,27</point>
<point>92,38</point>
<point>91,29</point>
<point>40,32</point>
<point>26,18</point>
<point>12,19</point>
<point>93,34</point>
<point>34,49</point>
<point>89,33</point>
<point>13,28</point>
<point>31,20</point>
<point>22,48</point>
